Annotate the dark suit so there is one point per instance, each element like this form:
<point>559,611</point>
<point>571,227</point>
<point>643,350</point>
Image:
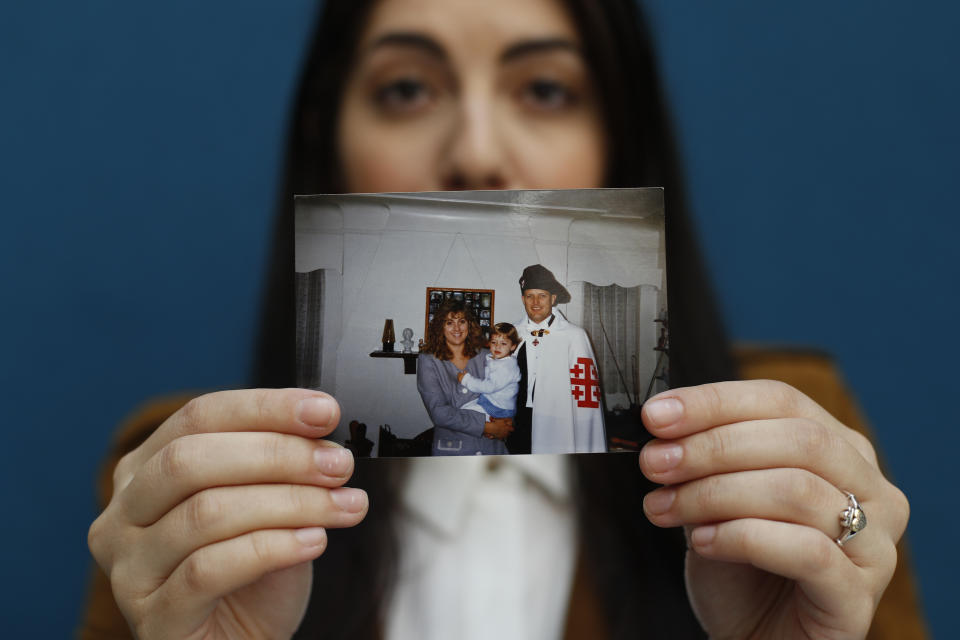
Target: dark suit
<point>519,439</point>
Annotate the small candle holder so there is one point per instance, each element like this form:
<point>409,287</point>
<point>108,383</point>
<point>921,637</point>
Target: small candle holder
<point>389,338</point>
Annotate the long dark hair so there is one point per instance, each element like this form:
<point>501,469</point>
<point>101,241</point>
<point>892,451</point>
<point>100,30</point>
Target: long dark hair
<point>638,568</point>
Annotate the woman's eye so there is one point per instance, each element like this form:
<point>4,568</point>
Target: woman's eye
<point>403,94</point>
<point>547,94</point>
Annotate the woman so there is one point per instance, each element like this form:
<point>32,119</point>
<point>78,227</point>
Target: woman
<point>216,516</point>
<point>453,345</point>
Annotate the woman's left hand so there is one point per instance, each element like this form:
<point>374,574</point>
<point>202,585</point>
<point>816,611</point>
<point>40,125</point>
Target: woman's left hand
<point>757,473</point>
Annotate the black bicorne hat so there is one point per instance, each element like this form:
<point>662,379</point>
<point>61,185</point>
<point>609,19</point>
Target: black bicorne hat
<point>537,276</point>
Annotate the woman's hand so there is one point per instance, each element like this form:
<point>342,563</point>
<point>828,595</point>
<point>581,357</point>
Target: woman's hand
<point>215,519</point>
<point>497,428</point>
<point>757,473</point>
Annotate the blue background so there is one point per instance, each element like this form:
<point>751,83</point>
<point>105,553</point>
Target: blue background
<point>139,153</point>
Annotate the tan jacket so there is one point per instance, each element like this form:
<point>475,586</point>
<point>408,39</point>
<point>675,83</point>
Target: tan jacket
<point>898,616</point>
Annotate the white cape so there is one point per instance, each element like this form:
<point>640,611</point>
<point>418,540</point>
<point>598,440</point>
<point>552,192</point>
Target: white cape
<point>567,400</point>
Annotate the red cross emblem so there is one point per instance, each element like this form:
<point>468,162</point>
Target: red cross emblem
<point>584,384</point>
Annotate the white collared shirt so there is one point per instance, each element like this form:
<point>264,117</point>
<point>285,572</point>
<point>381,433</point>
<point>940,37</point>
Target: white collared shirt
<point>532,351</point>
<point>485,552</point>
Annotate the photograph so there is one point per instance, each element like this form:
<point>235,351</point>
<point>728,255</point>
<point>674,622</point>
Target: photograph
<point>540,318</point>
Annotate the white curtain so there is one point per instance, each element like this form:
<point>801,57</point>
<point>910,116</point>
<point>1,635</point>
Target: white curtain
<point>610,317</point>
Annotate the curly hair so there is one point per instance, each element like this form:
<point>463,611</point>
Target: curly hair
<point>436,344</point>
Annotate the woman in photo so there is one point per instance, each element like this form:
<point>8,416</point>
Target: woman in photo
<point>230,518</point>
<point>454,346</point>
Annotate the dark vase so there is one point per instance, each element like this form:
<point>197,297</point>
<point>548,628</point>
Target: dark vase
<point>389,337</point>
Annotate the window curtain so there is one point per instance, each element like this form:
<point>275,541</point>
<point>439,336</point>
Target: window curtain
<point>610,316</point>
<point>309,328</point>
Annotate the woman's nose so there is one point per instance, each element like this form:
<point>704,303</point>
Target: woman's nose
<point>475,156</point>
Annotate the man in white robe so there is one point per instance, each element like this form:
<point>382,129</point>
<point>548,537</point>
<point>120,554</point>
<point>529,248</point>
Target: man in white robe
<point>560,406</point>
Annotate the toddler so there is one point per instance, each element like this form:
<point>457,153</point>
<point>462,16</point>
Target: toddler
<point>498,389</point>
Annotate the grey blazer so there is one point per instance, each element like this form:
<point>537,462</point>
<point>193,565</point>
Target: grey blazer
<point>457,432</point>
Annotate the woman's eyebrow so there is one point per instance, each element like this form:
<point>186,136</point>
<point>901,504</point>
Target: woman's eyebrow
<point>529,47</point>
<point>410,39</point>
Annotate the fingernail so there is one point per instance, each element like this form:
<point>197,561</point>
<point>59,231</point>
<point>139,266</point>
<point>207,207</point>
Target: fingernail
<point>703,536</point>
<point>315,411</point>
<point>352,500</point>
<point>659,501</point>
<point>662,457</point>
<point>311,537</point>
<point>333,461</point>
<point>664,412</point>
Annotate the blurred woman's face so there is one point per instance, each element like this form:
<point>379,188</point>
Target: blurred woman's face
<point>461,94</point>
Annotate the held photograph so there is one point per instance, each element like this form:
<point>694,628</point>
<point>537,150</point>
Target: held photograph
<point>529,321</point>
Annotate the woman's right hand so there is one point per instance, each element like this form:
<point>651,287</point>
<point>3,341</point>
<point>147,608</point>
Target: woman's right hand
<point>215,518</point>
<point>498,428</point>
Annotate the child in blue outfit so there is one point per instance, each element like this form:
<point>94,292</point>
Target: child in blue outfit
<point>501,376</point>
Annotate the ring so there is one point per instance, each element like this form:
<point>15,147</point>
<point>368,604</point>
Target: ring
<point>852,519</point>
